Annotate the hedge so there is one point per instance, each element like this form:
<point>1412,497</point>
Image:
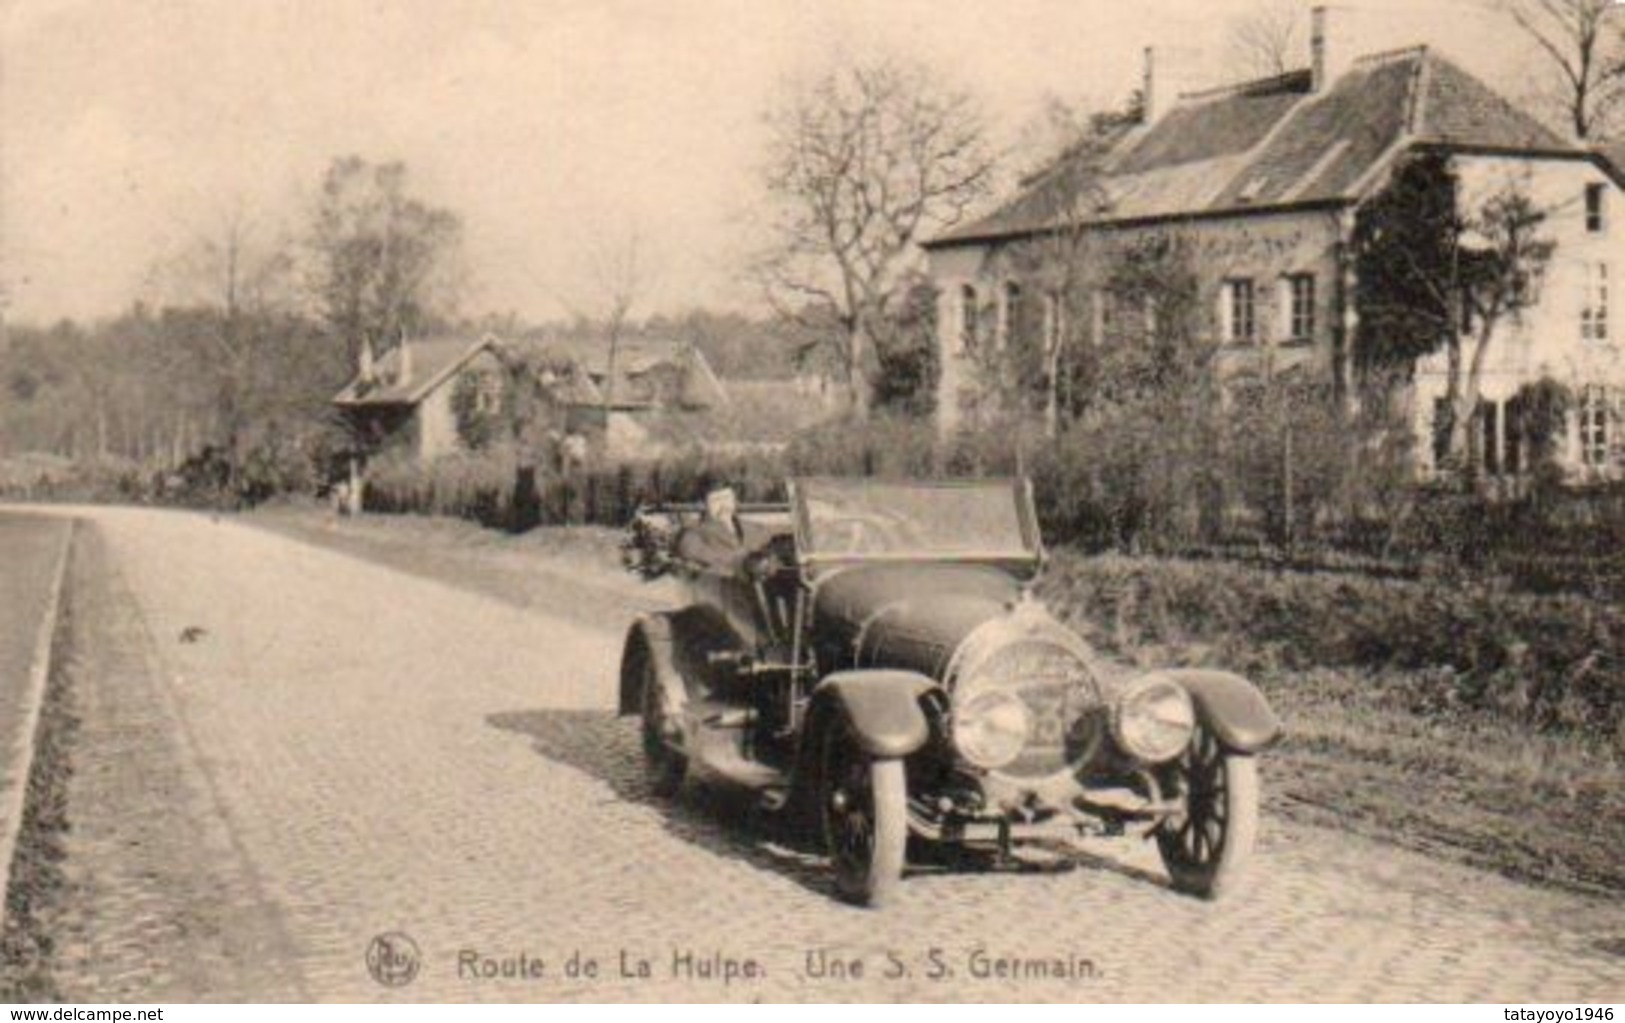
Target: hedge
<point>1554,662</point>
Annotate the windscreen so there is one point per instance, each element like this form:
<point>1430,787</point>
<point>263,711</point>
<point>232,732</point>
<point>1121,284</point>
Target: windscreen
<point>865,517</point>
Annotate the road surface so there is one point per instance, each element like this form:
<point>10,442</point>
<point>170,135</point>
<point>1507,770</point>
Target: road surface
<point>288,752</point>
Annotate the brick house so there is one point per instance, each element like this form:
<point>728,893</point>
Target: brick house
<point>655,381</point>
<point>404,397</point>
<point>1262,181</point>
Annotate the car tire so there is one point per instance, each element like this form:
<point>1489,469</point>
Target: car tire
<point>1208,848</point>
<point>863,807</point>
<point>664,767</point>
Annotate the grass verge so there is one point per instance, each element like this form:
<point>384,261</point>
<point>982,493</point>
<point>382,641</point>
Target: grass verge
<point>1481,727</point>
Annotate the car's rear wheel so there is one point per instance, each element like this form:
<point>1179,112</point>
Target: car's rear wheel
<point>664,766</point>
<point>1208,847</point>
<point>864,810</point>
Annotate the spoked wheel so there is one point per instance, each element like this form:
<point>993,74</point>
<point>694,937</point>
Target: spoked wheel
<point>1207,848</point>
<point>864,808</point>
<point>663,765</point>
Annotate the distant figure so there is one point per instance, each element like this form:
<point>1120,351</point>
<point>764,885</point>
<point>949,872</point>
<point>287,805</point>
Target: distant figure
<point>573,451</point>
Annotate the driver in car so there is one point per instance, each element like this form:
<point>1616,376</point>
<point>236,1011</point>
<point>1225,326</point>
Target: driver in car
<point>721,540</point>
<point>718,540</point>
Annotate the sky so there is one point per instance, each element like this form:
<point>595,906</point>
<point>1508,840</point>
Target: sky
<point>129,127</point>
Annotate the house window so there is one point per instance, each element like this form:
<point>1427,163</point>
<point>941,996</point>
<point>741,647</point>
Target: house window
<point>1513,431</point>
<point>967,319</point>
<point>1011,310</point>
<point>1595,415</point>
<point>488,399</point>
<point>1594,305</point>
<point>1240,325</point>
<point>1596,196</point>
<point>1301,307</point>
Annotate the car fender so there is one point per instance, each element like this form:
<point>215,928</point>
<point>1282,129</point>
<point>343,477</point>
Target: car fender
<point>881,705</point>
<point>686,643</point>
<point>654,632</point>
<point>1231,707</point>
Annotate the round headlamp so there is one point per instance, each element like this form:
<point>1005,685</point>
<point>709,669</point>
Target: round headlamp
<point>991,728</point>
<point>1154,719</point>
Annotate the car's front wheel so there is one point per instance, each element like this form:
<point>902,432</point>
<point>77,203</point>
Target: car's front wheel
<point>1207,848</point>
<point>864,810</point>
<point>664,765</point>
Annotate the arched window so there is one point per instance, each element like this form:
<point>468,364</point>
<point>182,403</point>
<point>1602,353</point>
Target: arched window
<point>1010,314</point>
<point>967,319</point>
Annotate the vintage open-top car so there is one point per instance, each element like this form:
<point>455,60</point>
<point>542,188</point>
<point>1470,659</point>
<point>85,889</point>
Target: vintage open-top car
<point>872,653</point>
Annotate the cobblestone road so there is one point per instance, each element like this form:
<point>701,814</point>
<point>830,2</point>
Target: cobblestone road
<point>387,754</point>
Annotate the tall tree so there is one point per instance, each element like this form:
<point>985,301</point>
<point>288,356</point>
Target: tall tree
<point>862,162</point>
<point>1584,43</point>
<point>1438,272</point>
<point>384,263</point>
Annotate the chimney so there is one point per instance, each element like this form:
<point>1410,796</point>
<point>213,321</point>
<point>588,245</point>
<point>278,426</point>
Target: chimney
<point>405,374</point>
<point>1319,60</point>
<point>365,369</point>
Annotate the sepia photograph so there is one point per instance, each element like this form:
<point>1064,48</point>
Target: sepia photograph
<point>727,501</point>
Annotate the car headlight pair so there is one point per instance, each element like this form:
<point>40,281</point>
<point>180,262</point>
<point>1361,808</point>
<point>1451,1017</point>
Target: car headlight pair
<point>1153,719</point>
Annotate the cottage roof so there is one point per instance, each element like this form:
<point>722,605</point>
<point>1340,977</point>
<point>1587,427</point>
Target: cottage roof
<point>1272,143</point>
<point>432,361</point>
<point>632,355</point>
<point>635,358</point>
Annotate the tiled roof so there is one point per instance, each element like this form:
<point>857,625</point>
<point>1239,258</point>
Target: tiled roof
<point>1459,109</point>
<point>644,371</point>
<point>1614,153</point>
<point>632,355</point>
<point>1272,143</point>
<point>432,360</point>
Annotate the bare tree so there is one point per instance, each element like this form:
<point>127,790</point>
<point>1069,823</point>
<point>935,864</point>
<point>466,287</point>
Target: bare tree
<point>1065,259</point>
<point>1584,42</point>
<point>229,295</point>
<point>863,161</point>
<point>1265,41</point>
<point>618,277</point>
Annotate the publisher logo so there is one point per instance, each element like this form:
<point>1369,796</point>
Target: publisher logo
<point>393,959</point>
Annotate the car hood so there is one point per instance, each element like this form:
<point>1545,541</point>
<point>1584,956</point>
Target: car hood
<point>906,616</point>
